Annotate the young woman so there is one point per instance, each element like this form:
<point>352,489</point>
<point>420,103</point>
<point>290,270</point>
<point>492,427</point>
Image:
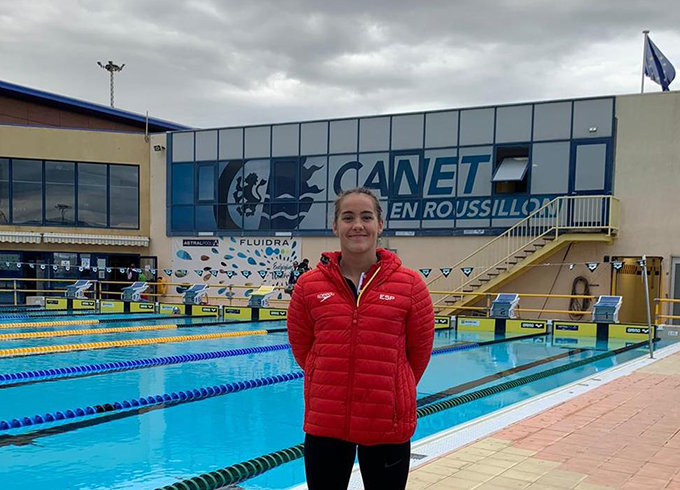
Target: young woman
<point>361,327</point>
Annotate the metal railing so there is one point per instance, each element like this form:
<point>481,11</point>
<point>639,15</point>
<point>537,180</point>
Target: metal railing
<point>488,297</point>
<point>666,304</point>
<point>233,295</point>
<point>564,214</point>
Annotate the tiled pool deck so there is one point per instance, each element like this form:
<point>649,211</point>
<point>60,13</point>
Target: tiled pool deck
<point>624,434</point>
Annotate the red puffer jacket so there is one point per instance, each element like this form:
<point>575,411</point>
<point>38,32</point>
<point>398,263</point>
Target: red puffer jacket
<point>362,357</point>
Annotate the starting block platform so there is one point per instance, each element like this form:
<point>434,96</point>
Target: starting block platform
<point>134,292</point>
<point>195,294</point>
<point>77,289</point>
<point>260,297</point>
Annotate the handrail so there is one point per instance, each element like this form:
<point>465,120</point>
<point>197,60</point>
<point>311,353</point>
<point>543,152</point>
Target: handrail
<point>660,302</point>
<point>499,237</point>
<point>18,286</point>
<point>548,222</point>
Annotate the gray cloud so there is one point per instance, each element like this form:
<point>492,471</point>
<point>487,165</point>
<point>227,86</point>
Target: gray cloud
<point>220,63</point>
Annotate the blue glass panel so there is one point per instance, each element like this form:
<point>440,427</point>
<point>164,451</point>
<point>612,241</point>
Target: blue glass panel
<point>27,191</point>
<point>123,196</point>
<point>285,179</point>
<point>92,194</point>
<point>283,216</point>
<point>206,183</point>
<point>60,193</point>
<point>205,218</point>
<point>256,216</point>
<point>182,184</point>
<point>227,179</point>
<point>182,218</point>
<point>231,217</point>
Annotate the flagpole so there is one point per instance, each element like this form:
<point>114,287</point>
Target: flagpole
<point>644,45</point>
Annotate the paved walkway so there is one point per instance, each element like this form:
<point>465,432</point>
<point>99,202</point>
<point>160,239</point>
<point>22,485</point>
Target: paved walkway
<point>625,434</point>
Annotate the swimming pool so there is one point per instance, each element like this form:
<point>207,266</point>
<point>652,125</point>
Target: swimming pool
<point>150,446</point>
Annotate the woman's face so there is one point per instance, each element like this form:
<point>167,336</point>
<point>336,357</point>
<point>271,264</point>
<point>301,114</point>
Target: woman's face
<point>357,225</point>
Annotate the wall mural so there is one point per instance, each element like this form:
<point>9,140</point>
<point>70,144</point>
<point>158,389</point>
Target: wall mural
<point>473,171</point>
<point>248,183</point>
<point>233,261</point>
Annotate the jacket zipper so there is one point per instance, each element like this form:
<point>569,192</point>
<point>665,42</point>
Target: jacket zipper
<point>355,317</point>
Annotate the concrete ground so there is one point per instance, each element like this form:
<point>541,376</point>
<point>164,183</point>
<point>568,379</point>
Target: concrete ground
<point>625,434</point>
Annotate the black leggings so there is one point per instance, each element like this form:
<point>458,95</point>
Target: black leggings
<point>328,464</point>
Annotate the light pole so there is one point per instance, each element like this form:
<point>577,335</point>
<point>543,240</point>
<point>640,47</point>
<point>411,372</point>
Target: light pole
<point>111,67</point>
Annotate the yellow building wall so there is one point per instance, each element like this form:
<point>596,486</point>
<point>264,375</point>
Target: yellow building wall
<point>81,146</point>
<point>160,243</point>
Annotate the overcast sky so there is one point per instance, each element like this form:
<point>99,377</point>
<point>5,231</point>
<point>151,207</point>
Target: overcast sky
<point>209,63</point>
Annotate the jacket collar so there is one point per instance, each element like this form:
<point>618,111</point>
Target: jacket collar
<point>387,260</point>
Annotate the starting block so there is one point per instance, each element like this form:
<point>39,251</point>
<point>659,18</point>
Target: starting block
<point>194,294</point>
<point>504,306</point>
<point>606,309</point>
<point>134,292</point>
<point>260,298</point>
<point>77,289</point>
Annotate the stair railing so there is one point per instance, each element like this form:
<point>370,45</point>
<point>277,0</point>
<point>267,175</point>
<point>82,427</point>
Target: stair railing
<point>556,217</point>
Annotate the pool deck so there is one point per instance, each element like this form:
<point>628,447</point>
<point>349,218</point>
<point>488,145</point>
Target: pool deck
<point>623,434</point>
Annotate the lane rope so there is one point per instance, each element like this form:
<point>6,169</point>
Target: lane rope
<point>50,349</point>
<point>243,471</point>
<point>25,377</point>
<point>168,399</point>
<point>492,390</point>
<point>57,323</point>
<point>473,345</point>
<point>240,471</point>
<point>69,372</point>
<point>89,331</point>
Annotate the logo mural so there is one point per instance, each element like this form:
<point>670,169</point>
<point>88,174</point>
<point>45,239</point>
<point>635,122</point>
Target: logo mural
<point>234,261</point>
<point>443,172</point>
<point>264,201</point>
<point>278,194</point>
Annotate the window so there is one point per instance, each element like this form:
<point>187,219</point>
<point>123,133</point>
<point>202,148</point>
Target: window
<point>206,183</point>
<point>60,201</point>
<point>183,147</point>
<point>591,167</point>
<point>182,183</point>
<point>550,168</point>
<point>205,218</point>
<point>92,202</point>
<point>123,196</point>
<point>285,179</point>
<point>27,192</point>
<point>511,176</point>
<point>258,142</point>
<point>65,259</point>
<point>182,218</point>
<point>53,193</point>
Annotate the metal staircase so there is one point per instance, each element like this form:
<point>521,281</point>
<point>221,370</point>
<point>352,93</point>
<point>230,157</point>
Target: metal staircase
<point>564,220</point>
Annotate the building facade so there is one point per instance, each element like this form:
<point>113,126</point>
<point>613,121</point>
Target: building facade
<point>239,205</point>
<point>455,172</point>
<point>74,203</point>
<point>448,181</point>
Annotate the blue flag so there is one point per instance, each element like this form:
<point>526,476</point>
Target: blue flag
<point>657,66</point>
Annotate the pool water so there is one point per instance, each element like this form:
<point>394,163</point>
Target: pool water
<point>150,448</point>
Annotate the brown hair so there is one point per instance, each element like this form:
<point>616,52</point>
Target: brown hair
<point>357,190</point>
